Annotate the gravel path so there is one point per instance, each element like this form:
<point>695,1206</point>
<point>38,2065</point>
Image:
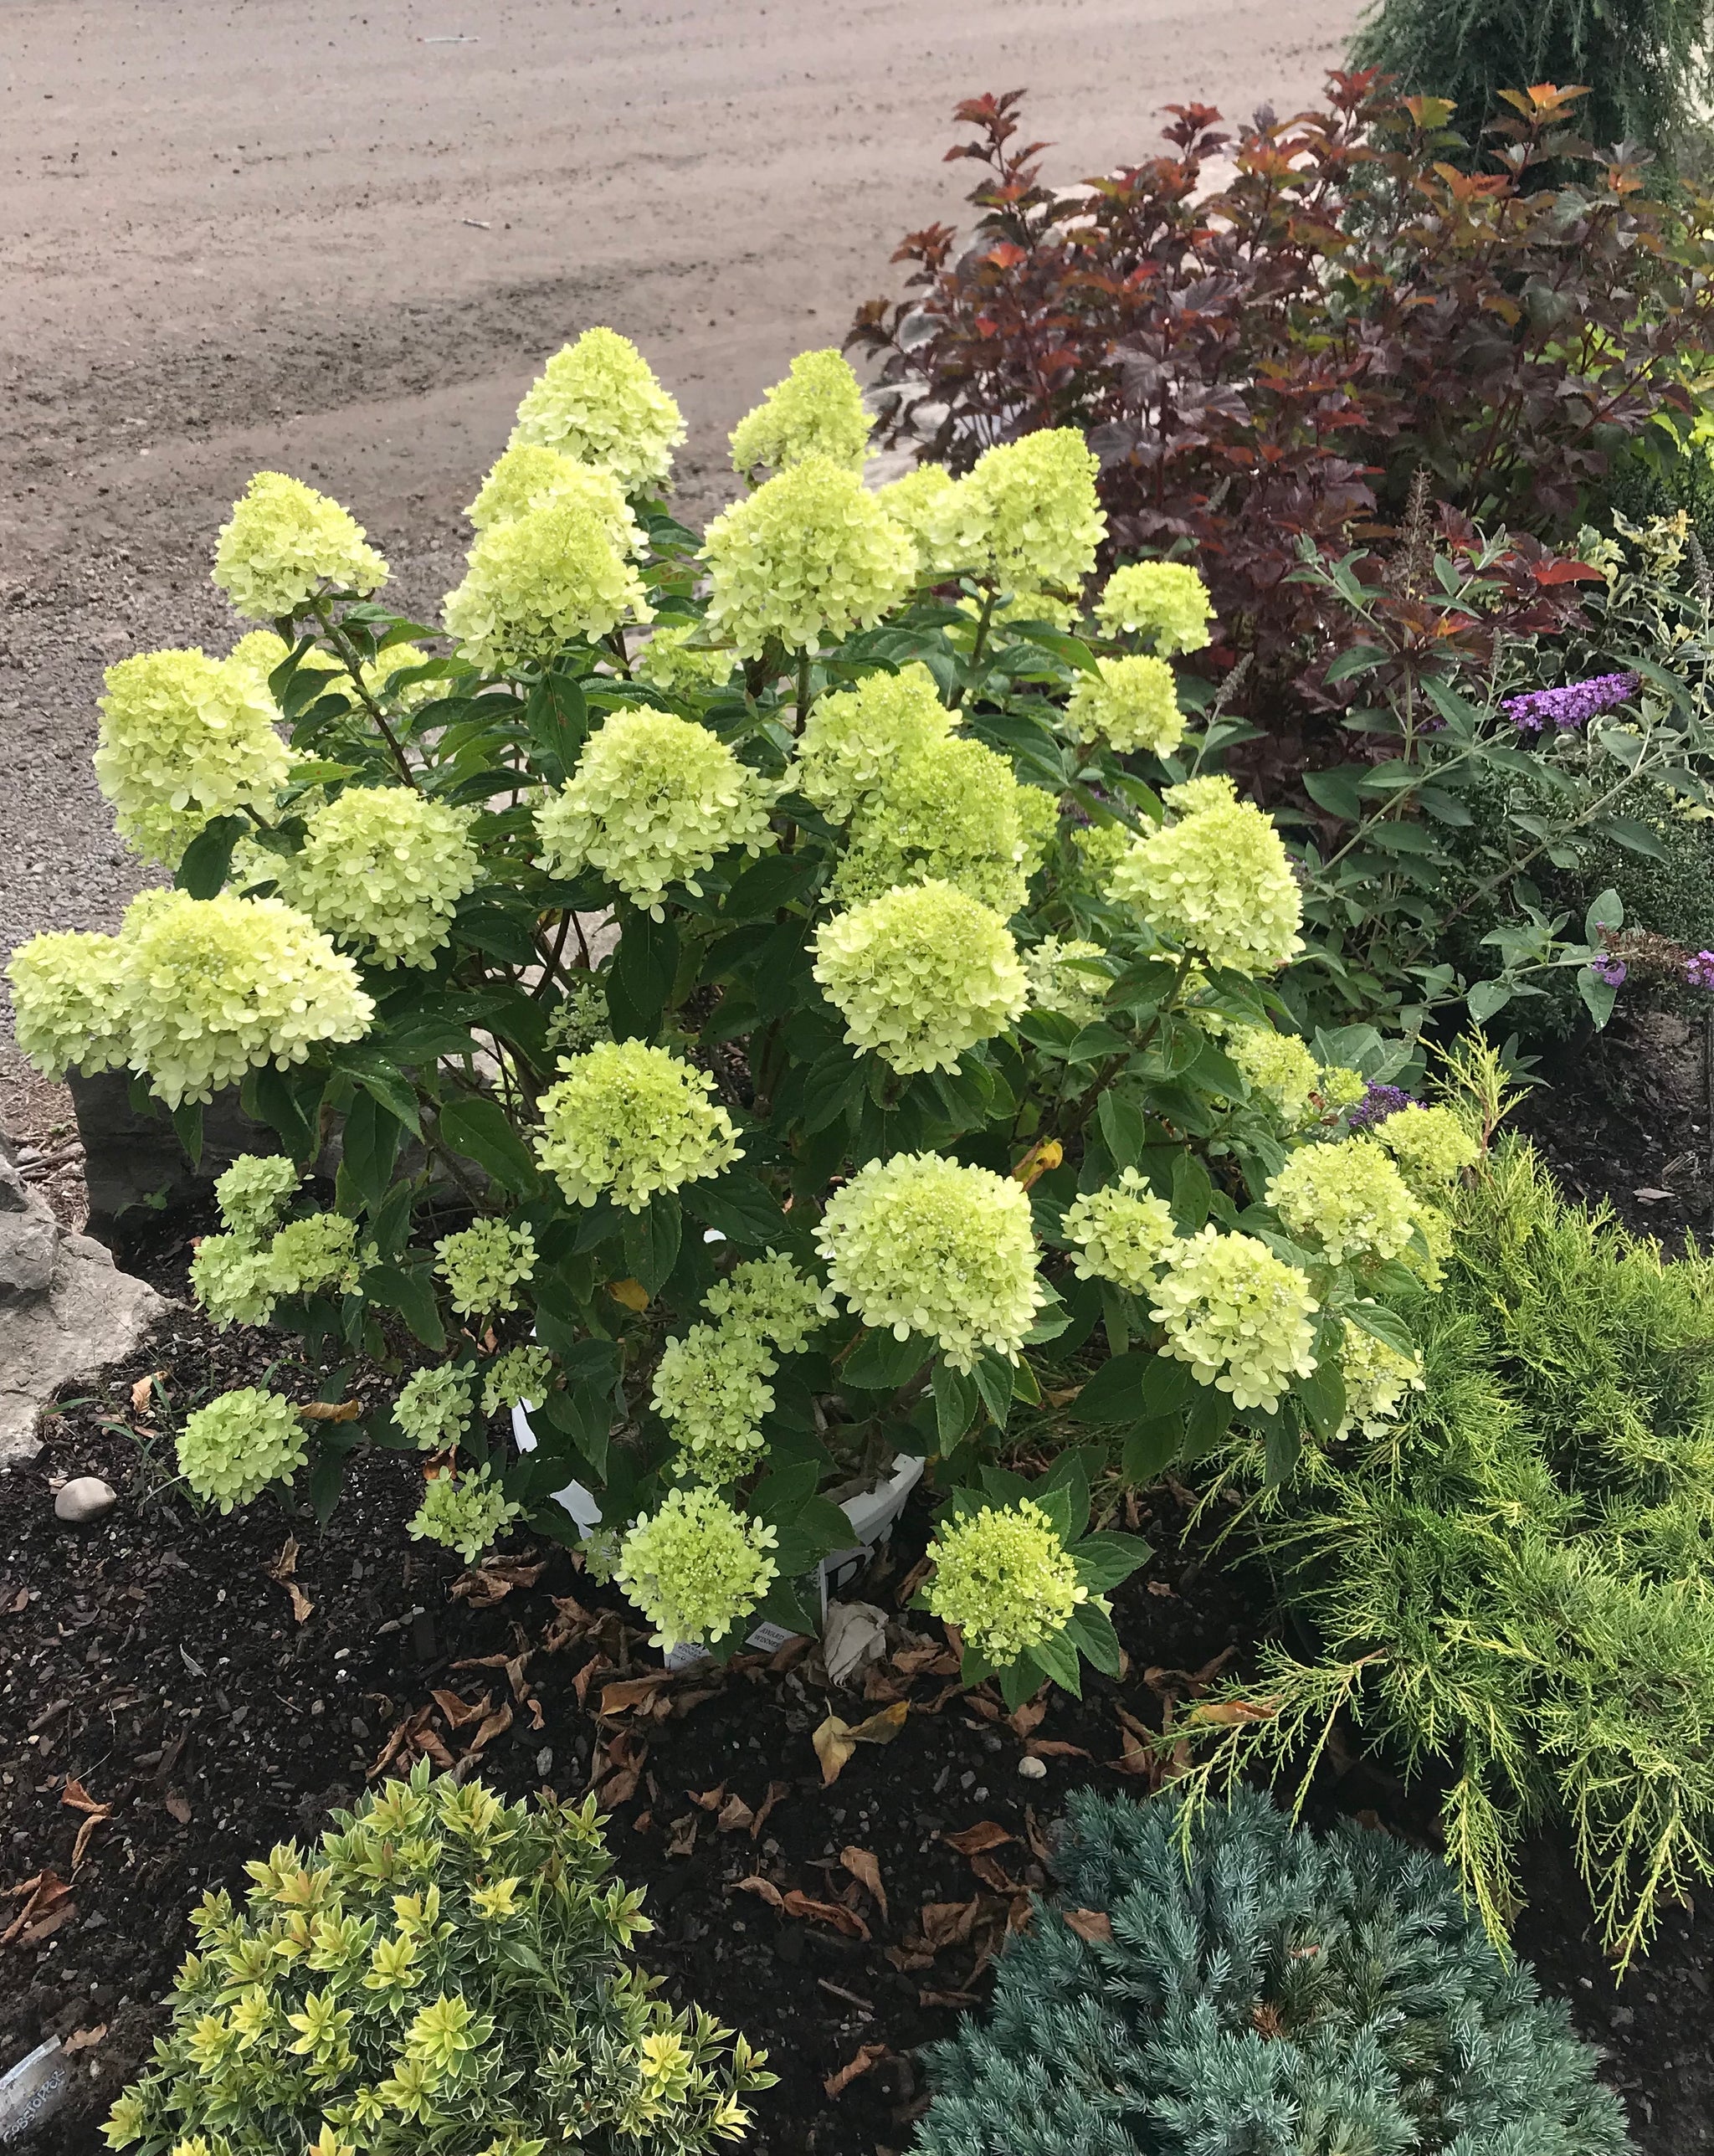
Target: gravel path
<point>299,235</point>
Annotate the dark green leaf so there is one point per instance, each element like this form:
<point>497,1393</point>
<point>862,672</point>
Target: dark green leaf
<point>1336,791</point>
<point>287,1100</point>
<point>740,1206</point>
<point>644,965</point>
<point>188,1122</point>
<point>992,1375</point>
<point>558,720</point>
<point>880,1363</point>
<point>1104,1560</point>
<point>1151,1447</point>
<point>651,1242</point>
<point>207,858</point>
<point>409,1291</point>
<point>477,1126</point>
<point>955,1398</point>
<point>1134,1388</point>
<point>1091,1631</point>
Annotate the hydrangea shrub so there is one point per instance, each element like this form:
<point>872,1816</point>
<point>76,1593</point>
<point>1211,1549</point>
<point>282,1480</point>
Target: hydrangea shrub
<point>779,996</point>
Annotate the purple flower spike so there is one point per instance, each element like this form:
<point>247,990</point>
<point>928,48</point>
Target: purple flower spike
<point>1610,969</point>
<point>1573,705</point>
<point>1379,1102</point>
<point>1699,971</point>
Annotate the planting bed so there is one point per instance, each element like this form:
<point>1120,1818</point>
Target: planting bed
<point>208,1691</point>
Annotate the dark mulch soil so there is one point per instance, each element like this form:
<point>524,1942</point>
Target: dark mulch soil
<point>156,1661</point>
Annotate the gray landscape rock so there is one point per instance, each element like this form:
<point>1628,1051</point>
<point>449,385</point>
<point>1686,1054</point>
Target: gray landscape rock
<point>84,1497</point>
<point>135,1161</point>
<point>65,1310</point>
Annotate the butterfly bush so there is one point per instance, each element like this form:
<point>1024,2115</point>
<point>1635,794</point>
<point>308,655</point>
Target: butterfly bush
<point>597,400</point>
<point>654,800</point>
<point>768,1011</point>
<point>696,1567</point>
<point>921,974</point>
<point>817,411</point>
<point>284,545</point>
<point>232,1450</point>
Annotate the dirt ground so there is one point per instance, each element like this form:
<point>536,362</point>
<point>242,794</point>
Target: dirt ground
<point>342,242</point>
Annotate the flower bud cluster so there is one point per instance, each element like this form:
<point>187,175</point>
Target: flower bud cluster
<point>627,1120</point>
<point>653,800</point>
<point>597,400</point>
<point>1123,1232</point>
<point>1034,512</point>
<point>485,1264</point>
<point>817,411</point>
<point>711,1386</point>
<point>940,515</point>
<point>671,663</point>
<point>921,974</point>
<point>695,1567</point>
<point>1430,1144</point>
<point>230,1450</point>
<point>951,811</point>
<point>1379,1381</point>
<point>1005,1578</point>
<point>1278,1066</point>
<point>285,544</point>
<point>463,1512</point>
<point>771,1298</point>
<point>432,1407</point>
<point>516,1375</point>
<point>1066,975</point>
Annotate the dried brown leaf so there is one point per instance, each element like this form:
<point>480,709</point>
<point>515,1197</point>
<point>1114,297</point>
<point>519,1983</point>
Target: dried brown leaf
<point>459,1710</point>
<point>948,1923</point>
<point>710,1799</point>
<point>763,1888</point>
<point>301,1606</point>
<point>495,1579</point>
<point>493,1725</point>
<point>330,1410</point>
<point>180,1807</point>
<point>682,1839</point>
<point>776,1790</point>
<point>1092,1924</point>
<point>286,1563</point>
<point>735,1816</point>
<point>985,1834</point>
<point>81,2040</point>
<point>1053,1747</point>
<point>143,1391</point>
<point>620,1698</point>
<point>796,1903</point>
<point>864,1868</point>
<point>868,2055</point>
<point>1027,1718</point>
<point>992,1873</point>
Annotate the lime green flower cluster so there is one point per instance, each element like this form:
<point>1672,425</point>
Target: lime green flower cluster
<point>1165,602</point>
<point>939,515</point>
<point>1033,511</point>
<point>769,1297</point>
<point>1131,704</point>
<point>284,545</point>
<point>711,1386</point>
<point>854,740</point>
<point>671,663</point>
<point>1278,1066</point>
<point>527,477</point>
<point>444,1970</point>
<point>184,737</point>
<point>921,974</point>
<point>653,800</point>
<point>816,412</point>
<point>68,1001</point>
<point>924,1245</point>
<point>1339,1089</point>
<point>381,868</point>
<point>1066,974</point>
<point>193,991</point>
<point>1122,1232</point>
<point>1379,1380</point>
<point>1005,1578</point>
<point>811,555</point>
<point>486,1264</point>
<point>1431,1146</point>
<point>238,1277</point>
<point>1217,883</point>
<point>1240,1317</point>
<point>951,811</point>
<point>535,583</point>
<point>582,1019</point>
<point>230,1451</point>
<point>598,400</point>
<point>233,1281</point>
<point>253,1192</point>
<point>315,1255</point>
<point>516,1374</point>
<point>1100,849</point>
<point>432,1408</point>
<point>696,1567</point>
<point>1348,1199</point>
<point>627,1120</point>
<point>462,1513</point>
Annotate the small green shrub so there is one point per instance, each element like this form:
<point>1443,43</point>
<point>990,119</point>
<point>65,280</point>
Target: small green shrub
<point>447,1973</point>
<point>1276,1993</point>
<point>1514,1583</point>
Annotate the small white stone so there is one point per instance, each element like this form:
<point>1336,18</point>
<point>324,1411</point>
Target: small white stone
<point>84,1497</point>
<point>1032,1768</point>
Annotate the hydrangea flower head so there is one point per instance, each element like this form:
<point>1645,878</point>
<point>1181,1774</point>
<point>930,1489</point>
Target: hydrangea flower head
<point>1063,978</point>
<point>537,583</point>
<point>816,412</point>
<point>527,477</point>
<point>233,1281</point>
<point>653,801</point>
<point>1005,1578</point>
<point>1165,602</point>
<point>952,811</point>
<point>253,1192</point>
<point>811,555</point>
<point>598,400</point>
<point>1100,847</point>
<point>1430,1144</point>
<point>711,1386</point>
<point>1339,1089</point>
<point>230,1451</point>
<point>768,1296</point>
<point>1217,883</point>
<point>1123,1233</point>
<point>854,739</point>
<point>582,1018</point>
<point>69,1007</point>
<point>382,870</point>
<point>216,986</point>
<point>669,661</point>
<point>285,543</point>
<point>921,974</point>
<point>315,1255</point>
<point>182,738</point>
<point>1347,1198</point>
<point>1379,1380</point>
<point>1279,1067</point>
<point>1238,1315</point>
<point>484,1265</point>
<point>463,1512</point>
<point>515,1376</point>
<point>1034,511</point>
<point>695,1567</point>
<point>939,515</point>
<point>432,1408</point>
<point>1213,789</point>
<point>1133,703</point>
<point>924,1245</point>
<point>627,1120</point>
